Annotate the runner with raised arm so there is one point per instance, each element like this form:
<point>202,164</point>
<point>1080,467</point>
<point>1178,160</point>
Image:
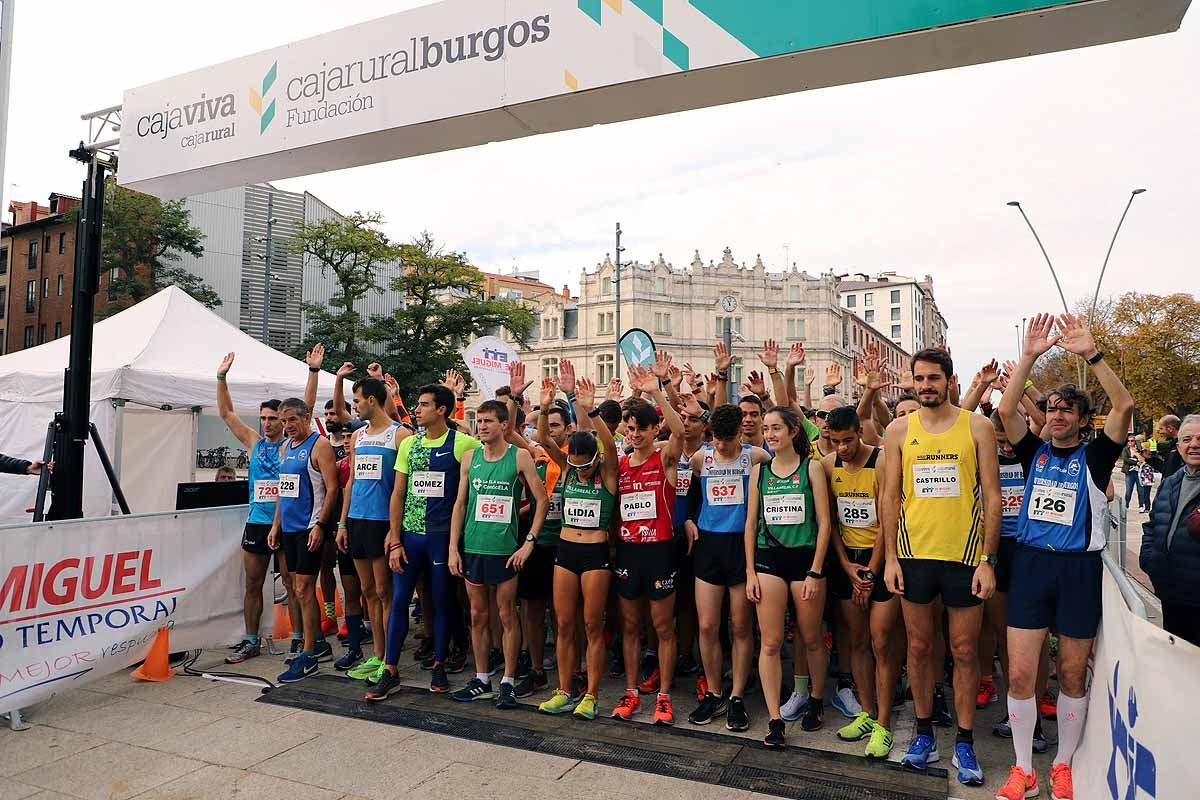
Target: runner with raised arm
<point>1061,532</point>
<point>264,452</point>
<point>582,567</point>
<point>940,511</point>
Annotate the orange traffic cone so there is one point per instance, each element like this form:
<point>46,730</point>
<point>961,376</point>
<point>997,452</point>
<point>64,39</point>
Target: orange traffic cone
<point>283,622</point>
<point>156,666</point>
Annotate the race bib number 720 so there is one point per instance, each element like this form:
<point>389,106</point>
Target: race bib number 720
<point>266,491</point>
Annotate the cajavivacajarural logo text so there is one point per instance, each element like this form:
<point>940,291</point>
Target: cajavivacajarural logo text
<point>421,53</point>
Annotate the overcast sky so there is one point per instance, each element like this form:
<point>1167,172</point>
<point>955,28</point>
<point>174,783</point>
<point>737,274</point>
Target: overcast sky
<point>908,174</point>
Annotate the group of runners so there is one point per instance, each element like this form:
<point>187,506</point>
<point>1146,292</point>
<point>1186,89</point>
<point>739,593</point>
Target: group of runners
<point>672,522</point>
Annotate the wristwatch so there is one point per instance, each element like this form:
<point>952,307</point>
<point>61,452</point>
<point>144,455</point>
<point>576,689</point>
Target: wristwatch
<point>595,412</point>
<point>812,573</point>
<point>867,575</point>
<point>529,537</point>
<point>1096,359</point>
<point>987,559</point>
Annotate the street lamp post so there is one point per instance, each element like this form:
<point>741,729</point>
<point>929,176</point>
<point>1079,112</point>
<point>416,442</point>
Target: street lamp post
<point>617,320</point>
<point>1096,296</point>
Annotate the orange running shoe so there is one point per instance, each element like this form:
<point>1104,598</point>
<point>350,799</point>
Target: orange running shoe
<point>1048,706</point>
<point>1020,785</point>
<point>987,693</point>
<point>663,713</point>
<point>629,705</point>
<point>701,686</point>
<point>1060,783</point>
<point>650,685</point>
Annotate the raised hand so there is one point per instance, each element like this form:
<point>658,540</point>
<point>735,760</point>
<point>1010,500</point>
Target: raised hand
<point>989,372</point>
<point>795,356</point>
<point>616,390</point>
<point>755,382</point>
<point>1076,337</point>
<point>833,375</point>
<point>516,379</point>
<point>860,374</point>
<point>585,394</point>
<point>713,385</point>
<point>688,405</point>
<point>345,370</point>
<point>454,382</point>
<point>905,384</point>
<point>810,375</point>
<point>642,380</point>
<point>722,357</point>
<point>1040,336</point>
<point>549,391</point>
<point>226,364</point>
<point>770,354</point>
<point>315,356</point>
<point>675,377</point>
<point>566,375</point>
<point>662,365</point>
<point>392,384</point>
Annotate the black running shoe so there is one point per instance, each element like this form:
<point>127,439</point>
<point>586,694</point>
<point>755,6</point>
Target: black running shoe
<point>508,697</point>
<point>814,715</point>
<point>297,647</point>
<point>388,683</point>
<point>524,686</point>
<point>474,690</point>
<point>323,650</point>
<point>438,684</point>
<point>686,664</point>
<point>457,661</point>
<point>711,706</point>
<point>941,713</point>
<point>775,738</point>
<point>540,681</point>
<point>579,684</point>
<point>495,661</point>
<point>524,664</point>
<point>736,718</point>
<point>424,650</point>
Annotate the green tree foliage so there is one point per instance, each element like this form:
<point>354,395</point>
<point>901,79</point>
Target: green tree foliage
<point>143,237</point>
<point>351,249</point>
<point>445,308</point>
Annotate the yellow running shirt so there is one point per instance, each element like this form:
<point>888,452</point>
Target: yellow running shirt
<point>854,500</point>
<point>941,505</point>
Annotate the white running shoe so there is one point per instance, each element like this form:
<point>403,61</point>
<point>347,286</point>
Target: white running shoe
<point>794,707</point>
<point>845,702</point>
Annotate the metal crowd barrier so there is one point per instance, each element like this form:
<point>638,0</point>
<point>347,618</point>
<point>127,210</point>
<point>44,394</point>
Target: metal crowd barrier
<point>1116,555</point>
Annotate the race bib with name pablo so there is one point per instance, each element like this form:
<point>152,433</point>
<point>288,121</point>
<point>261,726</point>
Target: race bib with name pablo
<point>638,505</point>
<point>1052,504</point>
<point>266,491</point>
<point>726,491</point>
<point>426,483</point>
<point>368,467</point>
<point>289,485</point>
<point>857,512</point>
<point>935,480</point>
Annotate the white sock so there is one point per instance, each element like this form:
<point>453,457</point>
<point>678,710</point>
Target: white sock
<point>1072,714</point>
<point>507,680</point>
<point>1022,718</point>
<point>483,677</point>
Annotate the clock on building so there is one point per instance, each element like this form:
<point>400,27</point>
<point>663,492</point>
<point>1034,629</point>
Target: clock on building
<point>729,303</point>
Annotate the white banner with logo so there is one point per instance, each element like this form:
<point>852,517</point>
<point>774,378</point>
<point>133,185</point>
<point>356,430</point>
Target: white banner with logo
<point>84,598</point>
<point>1141,712</point>
<point>488,358</point>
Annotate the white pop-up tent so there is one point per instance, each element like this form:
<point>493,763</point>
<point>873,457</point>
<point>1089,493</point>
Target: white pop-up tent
<point>153,371</point>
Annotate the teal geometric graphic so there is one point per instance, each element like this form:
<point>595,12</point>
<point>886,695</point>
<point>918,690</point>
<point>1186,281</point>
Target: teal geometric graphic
<point>675,50</point>
<point>653,9</point>
<point>591,8</point>
<point>772,27</point>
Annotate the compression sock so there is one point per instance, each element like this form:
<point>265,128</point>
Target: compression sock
<point>800,684</point>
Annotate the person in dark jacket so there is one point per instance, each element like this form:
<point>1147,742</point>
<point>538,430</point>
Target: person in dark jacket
<point>19,466</point>
<point>1170,552</point>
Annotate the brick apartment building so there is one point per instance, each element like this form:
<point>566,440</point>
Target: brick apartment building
<point>35,293</point>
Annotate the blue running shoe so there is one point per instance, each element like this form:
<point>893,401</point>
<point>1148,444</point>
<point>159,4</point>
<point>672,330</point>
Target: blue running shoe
<point>922,752</point>
<point>969,771</point>
<point>301,667</point>
<point>348,660</point>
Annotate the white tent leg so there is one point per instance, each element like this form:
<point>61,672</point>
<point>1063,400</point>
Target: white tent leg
<point>195,440</point>
<point>14,720</point>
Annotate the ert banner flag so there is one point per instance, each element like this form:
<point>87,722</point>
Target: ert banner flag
<point>488,358</point>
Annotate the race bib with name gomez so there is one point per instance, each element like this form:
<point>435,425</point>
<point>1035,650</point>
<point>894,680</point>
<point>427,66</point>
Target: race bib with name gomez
<point>289,485</point>
<point>368,467</point>
<point>935,480</point>
<point>493,508</point>
<point>638,505</point>
<point>783,509</point>
<point>1053,504</point>
<point>266,491</point>
<point>581,513</point>
<point>726,491</point>
<point>857,512</point>
<point>425,483</point>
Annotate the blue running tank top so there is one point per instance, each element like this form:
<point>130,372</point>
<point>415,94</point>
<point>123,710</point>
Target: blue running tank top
<point>1063,508</point>
<point>374,474</point>
<point>264,481</point>
<point>301,487</point>
<point>724,488</point>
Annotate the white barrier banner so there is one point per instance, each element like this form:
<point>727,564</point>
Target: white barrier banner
<point>84,598</point>
<point>1141,720</point>
<point>488,358</point>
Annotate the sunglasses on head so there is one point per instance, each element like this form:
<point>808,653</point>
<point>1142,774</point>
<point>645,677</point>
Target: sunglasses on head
<point>822,414</point>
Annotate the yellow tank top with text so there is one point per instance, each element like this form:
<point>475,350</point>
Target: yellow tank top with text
<point>854,496</point>
<point>941,506</point>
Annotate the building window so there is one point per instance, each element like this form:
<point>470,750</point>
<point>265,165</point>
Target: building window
<point>895,331</point>
<point>795,329</point>
<point>794,294</point>
<point>33,253</point>
<point>58,330</point>
<point>662,323</point>
<point>62,243</point>
<point>550,367</point>
<point>869,299</point>
<point>895,295</point>
<point>870,316</point>
<point>60,284</point>
<point>604,368</point>
<point>605,322</point>
<point>851,301</point>
<point>3,304</point>
<point>28,336</point>
<point>606,286</point>
<point>895,313</point>
<point>30,296</point>
<point>42,333</point>
<point>45,287</point>
<point>719,326</point>
<point>3,260</point>
<point>660,285</point>
<point>550,328</point>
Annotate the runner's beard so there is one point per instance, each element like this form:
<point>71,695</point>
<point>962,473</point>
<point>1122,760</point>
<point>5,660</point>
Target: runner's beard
<point>932,401</point>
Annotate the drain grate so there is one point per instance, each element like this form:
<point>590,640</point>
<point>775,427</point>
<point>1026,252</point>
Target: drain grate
<point>807,776</point>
